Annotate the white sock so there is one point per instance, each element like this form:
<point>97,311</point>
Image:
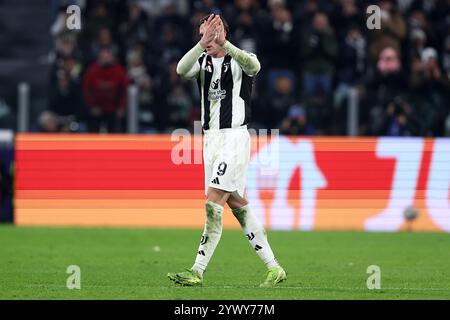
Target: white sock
<point>210,238</point>
<point>256,234</point>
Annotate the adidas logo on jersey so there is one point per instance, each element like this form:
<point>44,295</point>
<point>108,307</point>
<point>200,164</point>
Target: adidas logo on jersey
<point>216,181</point>
<point>209,67</point>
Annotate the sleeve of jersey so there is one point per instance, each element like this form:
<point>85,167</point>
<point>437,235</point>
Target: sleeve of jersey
<point>248,61</point>
<point>188,67</point>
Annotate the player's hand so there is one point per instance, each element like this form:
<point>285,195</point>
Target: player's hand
<point>219,37</point>
<point>208,30</point>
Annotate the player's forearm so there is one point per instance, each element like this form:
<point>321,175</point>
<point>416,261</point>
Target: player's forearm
<point>249,63</point>
<point>189,59</point>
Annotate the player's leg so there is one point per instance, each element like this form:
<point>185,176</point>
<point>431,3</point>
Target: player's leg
<point>211,235</point>
<point>220,171</point>
<point>216,197</point>
<point>215,201</point>
<point>257,236</point>
<point>212,232</point>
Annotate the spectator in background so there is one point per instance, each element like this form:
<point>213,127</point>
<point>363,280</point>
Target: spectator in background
<point>71,66</point>
<point>59,30</point>
<point>280,33</point>
<point>104,39</point>
<point>209,5</point>
<point>99,18</point>
<point>400,120</point>
<point>136,28</point>
<point>440,20</point>
<point>66,47</point>
<point>151,35</point>
<point>105,90</point>
<point>246,17</point>
<point>65,106</point>
<point>446,56</point>
<point>347,15</point>
<point>171,20</point>
<point>50,122</point>
<point>430,87</point>
<point>138,75</point>
<point>392,32</point>
<point>383,86</point>
<point>156,8</point>
<point>68,62</point>
<point>179,107</point>
<point>278,99</point>
<point>351,68</point>
<point>417,42</point>
<point>418,21</point>
<point>305,11</point>
<point>352,63</point>
<point>319,54</point>
<point>167,99</point>
<point>296,122</point>
<point>170,44</point>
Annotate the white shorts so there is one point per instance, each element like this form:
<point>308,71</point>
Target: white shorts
<point>226,154</point>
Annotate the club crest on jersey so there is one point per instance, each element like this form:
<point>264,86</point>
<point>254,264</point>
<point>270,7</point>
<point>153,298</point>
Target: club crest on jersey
<point>226,66</point>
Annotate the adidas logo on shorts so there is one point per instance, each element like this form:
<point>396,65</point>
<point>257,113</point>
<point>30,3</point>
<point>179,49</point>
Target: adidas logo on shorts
<point>216,181</point>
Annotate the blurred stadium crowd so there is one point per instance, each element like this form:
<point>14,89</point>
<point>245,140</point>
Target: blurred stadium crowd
<point>314,54</point>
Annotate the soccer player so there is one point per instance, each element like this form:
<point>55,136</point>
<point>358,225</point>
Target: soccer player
<point>224,74</point>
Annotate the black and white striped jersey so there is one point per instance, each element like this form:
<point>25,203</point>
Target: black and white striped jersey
<point>225,92</point>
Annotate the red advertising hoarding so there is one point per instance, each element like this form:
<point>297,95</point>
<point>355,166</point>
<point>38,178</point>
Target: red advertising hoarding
<point>293,183</point>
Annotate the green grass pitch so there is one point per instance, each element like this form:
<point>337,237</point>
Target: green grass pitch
<point>133,263</point>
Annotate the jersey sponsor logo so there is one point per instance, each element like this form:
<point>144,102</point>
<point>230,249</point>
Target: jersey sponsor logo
<point>215,84</point>
<point>215,93</point>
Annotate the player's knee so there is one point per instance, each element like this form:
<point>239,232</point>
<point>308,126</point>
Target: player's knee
<point>217,196</point>
<point>235,201</point>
